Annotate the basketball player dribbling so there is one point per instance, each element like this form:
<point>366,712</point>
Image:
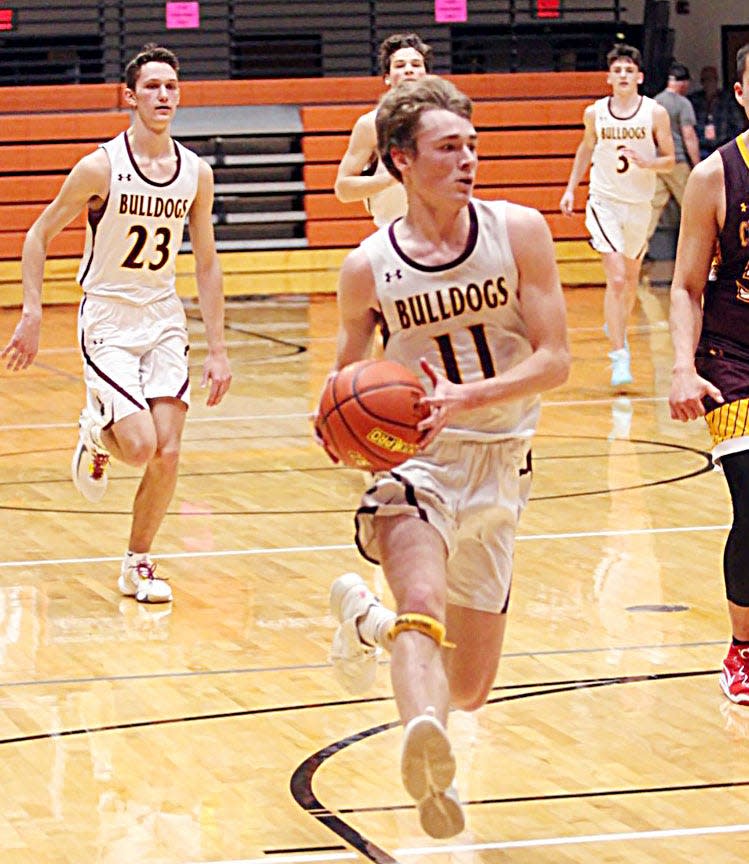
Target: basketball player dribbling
<point>138,189</point>
<point>361,175</point>
<point>628,139</point>
<point>710,334</point>
<point>470,300</point>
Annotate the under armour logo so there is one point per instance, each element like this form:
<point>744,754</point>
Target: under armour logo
<point>390,276</point>
<point>124,177</point>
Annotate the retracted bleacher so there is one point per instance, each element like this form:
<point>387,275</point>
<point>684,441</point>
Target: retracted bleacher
<point>274,146</point>
<point>254,151</point>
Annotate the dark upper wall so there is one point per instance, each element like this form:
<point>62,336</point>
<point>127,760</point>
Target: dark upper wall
<point>274,37</point>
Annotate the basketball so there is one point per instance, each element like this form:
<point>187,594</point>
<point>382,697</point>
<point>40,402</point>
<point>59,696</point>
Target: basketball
<point>368,414</point>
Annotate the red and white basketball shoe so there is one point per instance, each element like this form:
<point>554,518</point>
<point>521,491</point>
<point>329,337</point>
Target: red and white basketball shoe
<point>734,676</point>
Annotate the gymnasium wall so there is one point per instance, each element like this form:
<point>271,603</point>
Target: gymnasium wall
<point>235,33</point>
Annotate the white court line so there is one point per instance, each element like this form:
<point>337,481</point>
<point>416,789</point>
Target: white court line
<point>239,418</point>
<point>306,415</point>
<point>572,403</point>
<point>295,550</point>
<point>574,840</point>
<point>660,834</point>
<point>287,550</point>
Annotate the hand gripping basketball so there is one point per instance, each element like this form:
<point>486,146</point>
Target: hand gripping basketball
<point>368,414</point>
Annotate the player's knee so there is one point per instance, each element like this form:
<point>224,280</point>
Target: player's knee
<point>736,563</point>
<point>736,554</point>
<point>137,452</point>
<point>469,693</point>
<point>423,598</point>
<point>617,284</point>
<point>168,456</point>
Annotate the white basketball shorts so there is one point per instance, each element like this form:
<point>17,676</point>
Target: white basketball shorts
<point>473,494</point>
<point>132,354</point>
<point>615,226</point>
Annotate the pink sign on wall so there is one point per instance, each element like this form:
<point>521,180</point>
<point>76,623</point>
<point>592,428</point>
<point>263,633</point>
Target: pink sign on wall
<point>181,16</point>
<point>446,11</point>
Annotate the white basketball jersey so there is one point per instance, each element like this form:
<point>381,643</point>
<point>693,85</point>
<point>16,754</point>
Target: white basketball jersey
<point>133,241</point>
<point>613,175</point>
<point>463,317</point>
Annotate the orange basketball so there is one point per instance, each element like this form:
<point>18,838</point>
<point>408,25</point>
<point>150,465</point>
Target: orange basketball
<point>368,414</point>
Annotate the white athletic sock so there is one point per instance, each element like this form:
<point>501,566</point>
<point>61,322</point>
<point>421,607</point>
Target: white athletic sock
<point>374,626</point>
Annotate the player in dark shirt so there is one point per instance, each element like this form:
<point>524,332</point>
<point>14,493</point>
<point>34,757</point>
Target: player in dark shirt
<point>710,333</point>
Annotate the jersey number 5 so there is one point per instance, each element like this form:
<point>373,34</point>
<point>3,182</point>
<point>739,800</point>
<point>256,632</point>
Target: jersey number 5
<point>135,259</point>
<point>622,163</point>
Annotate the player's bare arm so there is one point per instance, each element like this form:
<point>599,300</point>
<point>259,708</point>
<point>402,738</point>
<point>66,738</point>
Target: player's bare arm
<point>702,216</point>
<point>216,370</point>
<point>87,183</point>
<point>581,163</point>
<point>350,185</point>
<point>357,310</point>
<point>357,319</point>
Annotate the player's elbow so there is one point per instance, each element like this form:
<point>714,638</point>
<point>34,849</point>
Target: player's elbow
<point>560,366</point>
<point>343,191</point>
<point>37,239</point>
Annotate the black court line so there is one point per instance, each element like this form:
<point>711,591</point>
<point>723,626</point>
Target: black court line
<point>364,700</point>
<point>538,688</point>
<point>239,327</point>
<point>664,446</point>
<point>565,796</point>
<point>301,780</point>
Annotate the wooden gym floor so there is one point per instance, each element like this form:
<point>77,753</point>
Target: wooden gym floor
<point>215,731</point>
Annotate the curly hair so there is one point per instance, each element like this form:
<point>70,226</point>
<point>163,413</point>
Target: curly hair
<point>403,40</point>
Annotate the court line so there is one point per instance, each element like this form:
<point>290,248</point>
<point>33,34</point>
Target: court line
<point>305,415</point>
<point>541,842</point>
<point>656,834</point>
<point>337,547</point>
<point>239,418</point>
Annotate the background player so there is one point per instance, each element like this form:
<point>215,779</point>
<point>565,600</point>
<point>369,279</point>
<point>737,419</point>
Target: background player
<point>138,189</point>
<point>620,138</point>
<point>361,175</point>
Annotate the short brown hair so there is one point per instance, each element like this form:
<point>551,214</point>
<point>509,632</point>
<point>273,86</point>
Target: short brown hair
<point>149,53</point>
<point>403,40</point>
<point>622,51</point>
<point>742,62</point>
<point>399,113</point>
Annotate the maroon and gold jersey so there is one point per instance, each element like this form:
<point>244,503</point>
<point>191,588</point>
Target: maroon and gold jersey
<point>726,298</point>
<point>722,355</point>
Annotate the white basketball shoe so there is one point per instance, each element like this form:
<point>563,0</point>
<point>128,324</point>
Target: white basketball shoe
<point>354,662</point>
<point>90,459</point>
<point>137,580</point>
<point>428,771</point>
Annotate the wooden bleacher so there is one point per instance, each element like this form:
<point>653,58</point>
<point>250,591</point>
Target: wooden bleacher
<point>529,125</point>
<point>43,132</point>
